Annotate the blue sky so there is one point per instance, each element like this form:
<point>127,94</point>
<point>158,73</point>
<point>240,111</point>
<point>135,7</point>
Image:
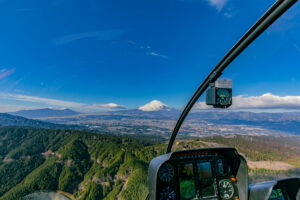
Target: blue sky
<point>86,54</point>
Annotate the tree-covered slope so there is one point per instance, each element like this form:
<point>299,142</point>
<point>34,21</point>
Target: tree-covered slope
<point>87,165</point>
<point>95,166</point>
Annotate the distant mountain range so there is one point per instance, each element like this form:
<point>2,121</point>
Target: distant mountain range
<point>46,112</point>
<point>11,120</point>
<point>155,114</point>
<point>154,109</point>
<point>159,111</point>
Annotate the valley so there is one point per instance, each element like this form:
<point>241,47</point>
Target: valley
<point>160,120</point>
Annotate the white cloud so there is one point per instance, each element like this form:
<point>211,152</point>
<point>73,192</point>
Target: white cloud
<point>109,106</point>
<point>218,4</point>
<point>13,108</point>
<point>156,54</point>
<point>228,15</point>
<point>265,101</point>
<point>297,47</point>
<point>52,102</point>
<point>61,103</point>
<point>132,42</point>
<point>201,106</point>
<point>5,72</point>
<point>98,35</point>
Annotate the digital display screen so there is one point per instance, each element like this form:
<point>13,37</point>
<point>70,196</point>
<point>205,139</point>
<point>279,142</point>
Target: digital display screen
<point>206,179</point>
<point>277,195</point>
<point>186,181</point>
<point>204,170</point>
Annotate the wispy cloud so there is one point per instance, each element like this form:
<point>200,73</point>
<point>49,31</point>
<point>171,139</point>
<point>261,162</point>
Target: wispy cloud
<point>157,55</point>
<point>52,102</point>
<point>131,42</point>
<point>147,49</point>
<point>62,103</point>
<point>6,72</point>
<point>98,35</point>
<point>265,102</point>
<point>218,4</point>
<point>4,108</point>
<point>227,14</point>
<point>297,47</point>
<point>109,106</point>
<point>286,22</point>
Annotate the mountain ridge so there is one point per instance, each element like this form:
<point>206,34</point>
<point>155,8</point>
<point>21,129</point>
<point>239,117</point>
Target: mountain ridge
<point>12,120</point>
<point>44,112</point>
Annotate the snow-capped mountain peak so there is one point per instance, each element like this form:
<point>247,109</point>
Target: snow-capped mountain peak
<point>154,105</point>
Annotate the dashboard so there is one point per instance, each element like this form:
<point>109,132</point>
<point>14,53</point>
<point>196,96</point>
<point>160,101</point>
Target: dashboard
<point>198,174</point>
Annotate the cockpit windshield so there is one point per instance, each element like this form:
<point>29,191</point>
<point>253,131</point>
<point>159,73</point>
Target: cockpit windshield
<point>90,93</point>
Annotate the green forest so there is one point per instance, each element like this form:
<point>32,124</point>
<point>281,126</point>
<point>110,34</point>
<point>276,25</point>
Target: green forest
<point>100,166</point>
<point>87,165</point>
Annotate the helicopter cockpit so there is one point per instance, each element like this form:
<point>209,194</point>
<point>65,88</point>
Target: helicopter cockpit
<point>199,174</point>
<point>217,173</point>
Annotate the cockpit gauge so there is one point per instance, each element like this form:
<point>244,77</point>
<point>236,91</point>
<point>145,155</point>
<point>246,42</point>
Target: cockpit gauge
<point>167,193</point>
<point>220,166</point>
<point>166,172</point>
<point>220,93</point>
<point>226,189</point>
<point>223,96</point>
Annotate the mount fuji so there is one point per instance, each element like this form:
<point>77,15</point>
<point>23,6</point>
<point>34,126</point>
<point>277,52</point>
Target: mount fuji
<point>154,105</point>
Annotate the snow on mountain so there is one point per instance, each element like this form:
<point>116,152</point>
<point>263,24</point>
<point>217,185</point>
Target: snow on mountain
<point>154,105</point>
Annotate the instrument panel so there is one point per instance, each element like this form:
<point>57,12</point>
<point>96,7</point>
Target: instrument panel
<point>199,174</point>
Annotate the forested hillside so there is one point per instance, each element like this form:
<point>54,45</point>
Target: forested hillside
<point>94,166</point>
<point>89,166</point>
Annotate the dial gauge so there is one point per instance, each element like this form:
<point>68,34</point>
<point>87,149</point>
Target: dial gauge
<point>167,193</point>
<point>226,189</point>
<point>166,172</point>
<point>223,96</point>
